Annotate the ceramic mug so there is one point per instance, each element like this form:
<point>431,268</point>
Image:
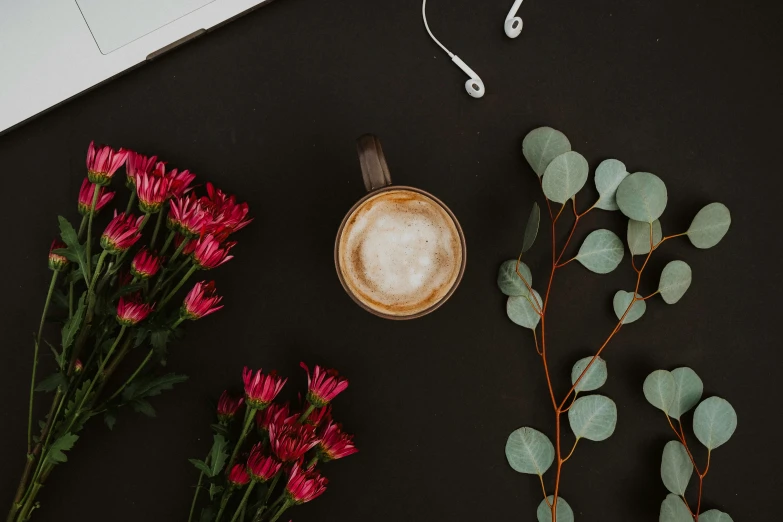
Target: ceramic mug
<point>400,252</point>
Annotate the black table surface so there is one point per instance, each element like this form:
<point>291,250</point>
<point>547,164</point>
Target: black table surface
<point>269,106</point>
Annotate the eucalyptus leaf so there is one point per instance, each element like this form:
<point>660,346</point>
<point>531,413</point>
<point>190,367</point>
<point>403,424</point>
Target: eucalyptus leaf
<point>642,197</point>
<point>509,281</point>
<point>594,378</point>
<point>520,309</point>
<point>660,390</point>
<point>529,451</point>
<point>601,251</point>
<point>542,145</point>
<point>676,467</point>
<point>639,236</point>
<point>688,390</point>
<point>564,511</point>
<point>608,176</point>
<point>565,176</point>
<point>675,280</point>
<point>713,515</point>
<point>714,422</point>
<point>593,417</point>
<point>531,228</point>
<point>621,302</point>
<point>709,226</point>
<point>673,509</point>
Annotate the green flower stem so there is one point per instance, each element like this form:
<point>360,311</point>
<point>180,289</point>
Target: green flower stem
<point>98,269</point>
<point>272,487</point>
<point>166,243</point>
<point>81,226</point>
<point>179,250</point>
<point>281,511</point>
<point>312,462</point>
<point>307,413</point>
<point>198,490</point>
<point>157,228</point>
<point>144,221</point>
<point>35,361</point>
<point>133,375</point>
<point>243,502</point>
<point>70,300</point>
<point>95,191</point>
<point>115,363</point>
<point>224,502</point>
<point>178,322</point>
<point>250,414</point>
<point>179,285</point>
<point>131,200</point>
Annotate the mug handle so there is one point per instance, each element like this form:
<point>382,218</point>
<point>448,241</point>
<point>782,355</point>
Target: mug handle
<point>375,171</point>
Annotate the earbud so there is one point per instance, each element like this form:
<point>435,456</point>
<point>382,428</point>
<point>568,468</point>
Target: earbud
<point>474,85</point>
<point>513,23</point>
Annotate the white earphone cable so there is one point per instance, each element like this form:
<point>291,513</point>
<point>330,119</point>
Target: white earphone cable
<point>426,25</point>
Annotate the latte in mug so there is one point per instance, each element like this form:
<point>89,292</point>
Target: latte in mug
<point>400,252</point>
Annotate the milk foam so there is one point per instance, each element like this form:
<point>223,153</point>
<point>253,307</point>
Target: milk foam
<point>400,252</point>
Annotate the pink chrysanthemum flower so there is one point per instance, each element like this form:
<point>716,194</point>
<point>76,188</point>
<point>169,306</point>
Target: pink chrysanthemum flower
<point>291,441</point>
<point>334,443</point>
<point>179,182</point>
<point>137,164</point>
<point>145,264</point>
<point>228,406</point>
<point>86,193</point>
<point>57,261</point>
<point>238,476</point>
<point>103,162</point>
<point>209,253</point>
<point>274,414</point>
<point>131,310</point>
<point>152,191</point>
<point>188,217</point>
<point>78,366</point>
<point>262,467</point>
<point>324,385</point>
<point>201,301</point>
<point>304,485</point>
<point>228,216</point>
<point>121,233</point>
<point>260,389</point>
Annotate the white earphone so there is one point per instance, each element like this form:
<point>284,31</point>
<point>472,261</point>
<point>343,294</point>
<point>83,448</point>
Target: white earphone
<point>513,23</point>
<point>474,85</point>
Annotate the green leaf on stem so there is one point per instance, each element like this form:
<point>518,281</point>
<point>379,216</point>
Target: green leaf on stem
<point>72,325</point>
<point>622,300</point>
<point>593,417</point>
<point>531,228</point>
<point>713,515</point>
<point>601,251</point>
<point>595,376</point>
<point>59,357</point>
<point>52,382</point>
<point>564,511</point>
<point>608,176</point>
<point>688,390</point>
<point>639,236</point>
<point>78,398</point>
<point>542,145</point>
<point>217,455</point>
<point>714,422</point>
<point>110,419</point>
<point>565,176</point>
<point>523,310</point>
<point>676,278</point>
<point>642,197</point>
<point>676,467</point>
<point>201,466</point>
<point>214,490</point>
<point>509,281</point>
<point>56,452</point>
<point>75,251</point>
<point>143,407</point>
<point>529,451</point>
<point>143,388</point>
<point>673,509</point>
<point>709,226</point>
<point>660,390</point>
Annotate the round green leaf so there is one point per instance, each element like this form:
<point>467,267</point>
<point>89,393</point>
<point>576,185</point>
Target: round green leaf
<point>520,309</point>
<point>564,511</point>
<point>673,509</point>
<point>531,228</point>
<point>593,417</point>
<point>565,176</point>
<point>608,176</point>
<point>642,197</point>
<point>714,422</point>
<point>509,281</point>
<point>675,280</point>
<point>620,303</point>
<point>676,467</point>
<point>713,515</point>
<point>601,251</point>
<point>594,378</point>
<point>660,390</point>
<point>529,451</point>
<point>639,236</point>
<point>688,390</point>
<point>542,145</point>
<point>710,225</point>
